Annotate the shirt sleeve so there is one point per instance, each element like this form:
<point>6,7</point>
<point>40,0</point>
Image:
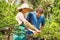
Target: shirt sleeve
<point>21,17</point>
<point>43,21</point>
<point>18,20</point>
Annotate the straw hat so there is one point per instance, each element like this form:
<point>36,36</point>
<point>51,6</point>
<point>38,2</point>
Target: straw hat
<point>25,5</point>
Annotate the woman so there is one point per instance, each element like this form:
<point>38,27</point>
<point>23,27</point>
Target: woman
<point>23,23</point>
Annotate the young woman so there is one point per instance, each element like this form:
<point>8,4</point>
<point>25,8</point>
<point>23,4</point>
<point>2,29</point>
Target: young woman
<point>23,23</point>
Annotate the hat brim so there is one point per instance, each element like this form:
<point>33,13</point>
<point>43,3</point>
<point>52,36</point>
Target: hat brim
<point>30,9</point>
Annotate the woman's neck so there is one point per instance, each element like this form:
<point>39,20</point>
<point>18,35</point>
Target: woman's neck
<point>23,14</point>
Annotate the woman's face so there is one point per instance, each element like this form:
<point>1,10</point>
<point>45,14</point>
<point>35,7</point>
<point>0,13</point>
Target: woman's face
<point>25,10</point>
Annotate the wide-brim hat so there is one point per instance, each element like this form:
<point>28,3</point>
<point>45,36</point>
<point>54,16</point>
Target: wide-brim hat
<point>25,5</point>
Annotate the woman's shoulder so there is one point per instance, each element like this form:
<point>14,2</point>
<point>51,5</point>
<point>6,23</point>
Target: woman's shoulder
<point>19,13</point>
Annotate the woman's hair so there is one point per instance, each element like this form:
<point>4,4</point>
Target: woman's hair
<point>20,10</point>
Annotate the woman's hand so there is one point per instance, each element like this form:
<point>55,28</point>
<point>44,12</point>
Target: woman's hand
<point>34,32</point>
<point>38,30</point>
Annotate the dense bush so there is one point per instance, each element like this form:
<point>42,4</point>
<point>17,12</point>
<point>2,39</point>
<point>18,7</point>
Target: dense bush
<point>7,17</point>
<point>7,14</point>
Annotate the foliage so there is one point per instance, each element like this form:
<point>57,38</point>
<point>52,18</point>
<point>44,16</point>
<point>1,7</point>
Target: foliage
<point>50,31</point>
<point>7,14</point>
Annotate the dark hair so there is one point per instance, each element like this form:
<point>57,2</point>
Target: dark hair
<point>20,10</point>
<point>40,10</point>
